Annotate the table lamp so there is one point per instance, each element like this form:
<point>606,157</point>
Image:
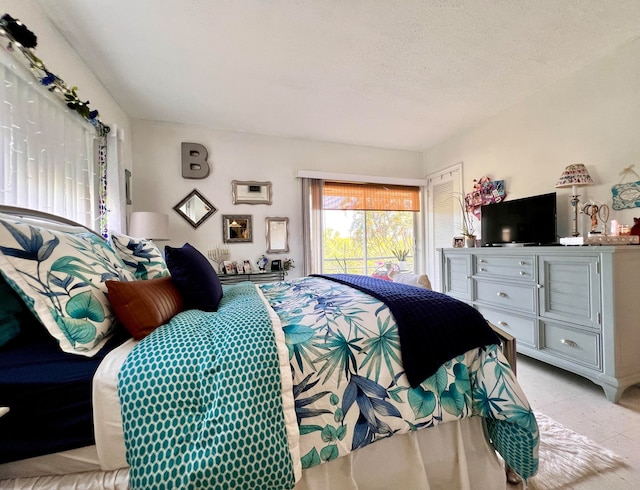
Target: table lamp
<point>146,224</point>
<point>574,175</point>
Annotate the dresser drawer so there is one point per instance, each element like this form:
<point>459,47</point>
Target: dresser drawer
<point>517,267</point>
<point>522,328</point>
<point>513,296</point>
<point>577,345</point>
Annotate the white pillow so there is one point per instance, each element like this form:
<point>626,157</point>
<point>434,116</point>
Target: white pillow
<point>142,257</point>
<point>418,280</point>
<point>61,277</point>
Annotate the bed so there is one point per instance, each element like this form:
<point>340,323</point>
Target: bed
<point>127,370</point>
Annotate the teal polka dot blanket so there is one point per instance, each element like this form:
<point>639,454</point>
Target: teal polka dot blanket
<point>206,399</point>
<point>201,401</point>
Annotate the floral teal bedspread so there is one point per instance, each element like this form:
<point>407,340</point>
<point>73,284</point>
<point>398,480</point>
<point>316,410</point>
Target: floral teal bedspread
<point>246,396</point>
<point>350,388</point>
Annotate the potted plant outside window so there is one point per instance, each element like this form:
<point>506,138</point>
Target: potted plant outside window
<point>401,255</point>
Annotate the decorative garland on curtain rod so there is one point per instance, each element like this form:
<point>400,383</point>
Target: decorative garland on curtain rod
<point>22,40</point>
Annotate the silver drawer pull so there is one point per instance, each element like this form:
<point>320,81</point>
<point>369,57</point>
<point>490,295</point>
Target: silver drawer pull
<point>539,286</point>
<point>522,262</point>
<point>503,324</point>
<point>481,261</point>
<point>502,295</point>
<point>523,273</point>
<point>568,342</point>
<point>481,269</point>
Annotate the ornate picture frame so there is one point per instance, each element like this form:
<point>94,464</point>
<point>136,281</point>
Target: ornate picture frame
<point>251,192</point>
<point>237,228</point>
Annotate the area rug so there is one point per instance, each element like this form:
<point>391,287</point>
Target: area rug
<point>567,457</point>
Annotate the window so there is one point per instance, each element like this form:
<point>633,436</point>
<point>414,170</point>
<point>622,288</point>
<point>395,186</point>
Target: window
<point>47,159</point>
<point>368,228</point>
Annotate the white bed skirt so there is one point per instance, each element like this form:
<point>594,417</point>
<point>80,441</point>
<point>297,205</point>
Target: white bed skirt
<point>454,455</point>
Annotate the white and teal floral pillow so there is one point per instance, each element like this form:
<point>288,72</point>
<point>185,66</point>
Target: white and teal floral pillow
<point>61,277</point>
<point>142,257</point>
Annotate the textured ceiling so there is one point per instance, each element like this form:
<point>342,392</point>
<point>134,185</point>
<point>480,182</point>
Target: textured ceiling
<point>393,74</point>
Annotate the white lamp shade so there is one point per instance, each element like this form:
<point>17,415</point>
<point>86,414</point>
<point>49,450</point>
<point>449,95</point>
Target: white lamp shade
<point>574,175</point>
<point>145,224</point>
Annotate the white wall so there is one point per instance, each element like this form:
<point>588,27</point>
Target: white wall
<point>592,117</point>
<point>62,60</point>
<point>157,182</point>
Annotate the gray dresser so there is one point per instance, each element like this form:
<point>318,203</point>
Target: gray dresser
<point>577,308</point>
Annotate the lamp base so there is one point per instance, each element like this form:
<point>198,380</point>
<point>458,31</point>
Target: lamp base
<point>574,204</point>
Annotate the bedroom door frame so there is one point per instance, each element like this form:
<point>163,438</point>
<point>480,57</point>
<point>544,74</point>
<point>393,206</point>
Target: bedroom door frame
<point>442,214</point>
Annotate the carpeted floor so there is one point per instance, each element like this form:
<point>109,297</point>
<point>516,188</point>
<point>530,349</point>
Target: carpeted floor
<point>567,458</point>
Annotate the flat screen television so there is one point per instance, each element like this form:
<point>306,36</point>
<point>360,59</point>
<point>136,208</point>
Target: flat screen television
<point>527,221</point>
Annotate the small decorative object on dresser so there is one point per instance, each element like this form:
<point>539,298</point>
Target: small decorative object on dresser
<point>467,226</point>
<point>218,254</point>
<point>262,263</point>
<point>276,265</point>
<point>247,267</point>
<point>230,267</point>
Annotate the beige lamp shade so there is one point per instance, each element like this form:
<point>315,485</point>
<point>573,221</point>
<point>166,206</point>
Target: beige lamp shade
<point>573,176</point>
<point>146,224</point>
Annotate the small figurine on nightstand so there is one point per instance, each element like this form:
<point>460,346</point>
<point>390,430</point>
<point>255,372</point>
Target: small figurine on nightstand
<point>288,264</point>
<point>262,263</point>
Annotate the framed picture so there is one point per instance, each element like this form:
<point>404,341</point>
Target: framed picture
<point>247,267</point>
<point>229,267</point>
<point>195,208</point>
<point>277,235</point>
<point>236,228</point>
<point>251,192</point>
<point>458,242</point>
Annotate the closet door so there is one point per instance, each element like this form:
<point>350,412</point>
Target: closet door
<point>443,216</point>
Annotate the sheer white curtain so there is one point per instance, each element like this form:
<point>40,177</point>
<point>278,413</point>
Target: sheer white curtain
<point>47,159</point>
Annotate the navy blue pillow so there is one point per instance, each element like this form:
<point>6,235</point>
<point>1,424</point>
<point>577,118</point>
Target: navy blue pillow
<point>194,276</point>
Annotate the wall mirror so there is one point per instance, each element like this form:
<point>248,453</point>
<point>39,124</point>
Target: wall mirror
<point>277,235</point>
<point>195,209</point>
<point>251,192</point>
<point>236,228</point>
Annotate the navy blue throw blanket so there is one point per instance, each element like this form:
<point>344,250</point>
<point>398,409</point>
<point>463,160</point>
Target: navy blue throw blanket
<point>433,327</point>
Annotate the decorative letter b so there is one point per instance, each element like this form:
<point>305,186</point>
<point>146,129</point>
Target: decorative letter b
<point>194,161</point>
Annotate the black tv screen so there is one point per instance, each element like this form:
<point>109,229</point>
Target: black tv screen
<point>526,221</point>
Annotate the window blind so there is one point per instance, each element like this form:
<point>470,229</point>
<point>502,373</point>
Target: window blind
<point>46,152</point>
<point>370,197</point>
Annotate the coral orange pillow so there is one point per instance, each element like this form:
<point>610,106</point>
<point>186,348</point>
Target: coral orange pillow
<point>142,306</point>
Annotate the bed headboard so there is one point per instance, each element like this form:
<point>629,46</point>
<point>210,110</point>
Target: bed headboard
<point>41,216</point>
